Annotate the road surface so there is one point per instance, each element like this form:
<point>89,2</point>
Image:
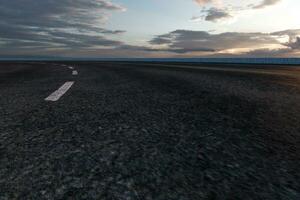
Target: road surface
<point>149,131</point>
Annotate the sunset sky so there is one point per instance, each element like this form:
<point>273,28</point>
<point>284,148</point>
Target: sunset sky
<point>150,28</point>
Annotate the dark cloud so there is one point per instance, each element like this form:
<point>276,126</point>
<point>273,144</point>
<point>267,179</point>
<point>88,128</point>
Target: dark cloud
<point>162,39</point>
<point>55,24</point>
<point>293,38</point>
<point>294,44</point>
<point>248,44</point>
<point>214,14</point>
<point>266,3</point>
<point>191,41</point>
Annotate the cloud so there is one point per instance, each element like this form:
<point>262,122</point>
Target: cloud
<point>266,3</point>
<point>292,33</point>
<point>183,41</point>
<point>262,4</point>
<point>56,24</point>
<point>214,14</point>
<point>228,44</point>
<point>294,44</point>
<point>293,38</point>
<point>219,9</point>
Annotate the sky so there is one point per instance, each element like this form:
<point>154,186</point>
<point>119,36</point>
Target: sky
<point>150,28</point>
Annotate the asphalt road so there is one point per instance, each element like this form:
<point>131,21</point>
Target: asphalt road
<point>149,131</point>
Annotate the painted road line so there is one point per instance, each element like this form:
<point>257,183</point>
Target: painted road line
<point>74,73</point>
<point>71,67</point>
<point>55,96</point>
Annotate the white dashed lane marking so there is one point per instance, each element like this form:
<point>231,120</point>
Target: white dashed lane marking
<point>71,67</point>
<point>55,96</point>
<point>74,73</point>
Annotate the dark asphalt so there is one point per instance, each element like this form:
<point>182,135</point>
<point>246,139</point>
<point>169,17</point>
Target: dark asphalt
<point>144,131</point>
